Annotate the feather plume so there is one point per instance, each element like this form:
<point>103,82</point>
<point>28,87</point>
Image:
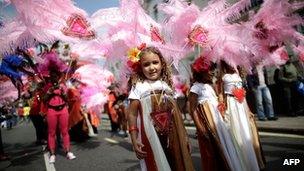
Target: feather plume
<point>235,11</point>
<point>7,91</point>
<point>96,80</point>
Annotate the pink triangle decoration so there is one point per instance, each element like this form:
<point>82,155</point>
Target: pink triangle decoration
<point>78,26</point>
<point>155,35</point>
<point>162,121</point>
<point>198,36</point>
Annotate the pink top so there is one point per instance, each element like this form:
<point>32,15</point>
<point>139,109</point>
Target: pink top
<point>57,100</point>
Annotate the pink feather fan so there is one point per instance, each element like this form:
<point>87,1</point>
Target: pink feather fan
<point>222,43</point>
<point>134,28</point>
<point>207,29</point>
<point>38,20</point>
<point>96,81</point>
<point>237,44</point>
<point>269,28</point>
<point>178,23</point>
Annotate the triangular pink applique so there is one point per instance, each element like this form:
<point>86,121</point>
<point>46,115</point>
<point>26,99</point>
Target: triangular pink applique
<point>77,26</point>
<point>198,36</point>
<point>155,35</point>
<point>162,121</point>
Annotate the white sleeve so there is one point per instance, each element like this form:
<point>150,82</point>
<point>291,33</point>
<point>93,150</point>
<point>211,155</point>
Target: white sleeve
<point>195,89</point>
<point>134,93</point>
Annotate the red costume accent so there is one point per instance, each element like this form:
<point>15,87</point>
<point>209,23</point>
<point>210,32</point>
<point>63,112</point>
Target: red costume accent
<point>239,94</point>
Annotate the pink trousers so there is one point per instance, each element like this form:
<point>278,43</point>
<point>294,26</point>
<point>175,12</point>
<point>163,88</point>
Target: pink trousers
<point>53,119</point>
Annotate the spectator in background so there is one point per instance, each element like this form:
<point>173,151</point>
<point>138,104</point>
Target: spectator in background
<point>26,111</point>
<point>278,99</point>
<point>181,95</point>
<point>3,156</point>
<point>121,109</point>
<point>20,112</point>
<point>37,117</point>
<point>2,118</point>
<point>113,116</point>
<point>288,76</point>
<point>256,82</point>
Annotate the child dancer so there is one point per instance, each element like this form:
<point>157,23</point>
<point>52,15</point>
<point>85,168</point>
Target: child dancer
<point>155,124</point>
<point>240,120</point>
<point>215,142</point>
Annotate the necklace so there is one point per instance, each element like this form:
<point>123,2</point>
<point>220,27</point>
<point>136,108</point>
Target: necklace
<point>158,101</point>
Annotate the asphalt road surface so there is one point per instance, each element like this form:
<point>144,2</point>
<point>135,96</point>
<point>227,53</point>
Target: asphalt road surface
<point>113,152</point>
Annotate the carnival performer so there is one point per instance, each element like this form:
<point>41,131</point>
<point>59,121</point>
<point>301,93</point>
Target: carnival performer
<point>120,106</point>
<point>213,136</point>
<point>77,124</point>
<point>112,112</point>
<point>240,120</point>
<point>37,115</point>
<point>155,124</point>
<point>57,112</point>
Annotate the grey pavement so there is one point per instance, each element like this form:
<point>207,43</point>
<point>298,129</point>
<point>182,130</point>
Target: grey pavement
<point>285,124</point>
<point>291,125</point>
<point>112,152</point>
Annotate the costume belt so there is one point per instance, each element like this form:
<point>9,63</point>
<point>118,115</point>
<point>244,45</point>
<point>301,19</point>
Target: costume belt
<point>58,107</point>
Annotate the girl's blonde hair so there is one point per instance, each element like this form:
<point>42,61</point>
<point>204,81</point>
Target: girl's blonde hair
<point>166,71</point>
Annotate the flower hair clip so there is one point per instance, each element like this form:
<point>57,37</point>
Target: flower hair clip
<point>201,64</point>
<point>133,55</point>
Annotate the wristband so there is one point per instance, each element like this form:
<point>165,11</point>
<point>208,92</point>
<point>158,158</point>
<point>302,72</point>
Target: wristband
<point>133,128</point>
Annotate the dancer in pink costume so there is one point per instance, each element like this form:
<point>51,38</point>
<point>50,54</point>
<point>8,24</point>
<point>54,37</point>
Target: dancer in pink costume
<point>57,112</point>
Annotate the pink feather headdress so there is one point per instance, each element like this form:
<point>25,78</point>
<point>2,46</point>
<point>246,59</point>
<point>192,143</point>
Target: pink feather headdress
<point>268,29</point>
<point>51,61</point>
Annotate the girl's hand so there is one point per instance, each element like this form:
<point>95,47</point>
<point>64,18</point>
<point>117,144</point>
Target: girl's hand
<point>222,108</point>
<point>189,146</point>
<point>140,154</point>
<point>220,98</point>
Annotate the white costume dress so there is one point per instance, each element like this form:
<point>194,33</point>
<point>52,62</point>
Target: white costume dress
<point>146,92</point>
<point>237,115</point>
<point>207,95</point>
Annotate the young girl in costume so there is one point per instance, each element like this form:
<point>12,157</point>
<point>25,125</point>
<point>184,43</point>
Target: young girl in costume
<point>216,146</point>
<point>155,124</point>
<point>240,120</point>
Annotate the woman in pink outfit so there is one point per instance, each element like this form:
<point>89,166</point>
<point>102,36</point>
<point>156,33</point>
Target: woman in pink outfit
<point>57,113</point>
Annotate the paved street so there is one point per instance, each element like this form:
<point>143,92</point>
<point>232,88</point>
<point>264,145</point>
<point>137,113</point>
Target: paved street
<point>108,152</point>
